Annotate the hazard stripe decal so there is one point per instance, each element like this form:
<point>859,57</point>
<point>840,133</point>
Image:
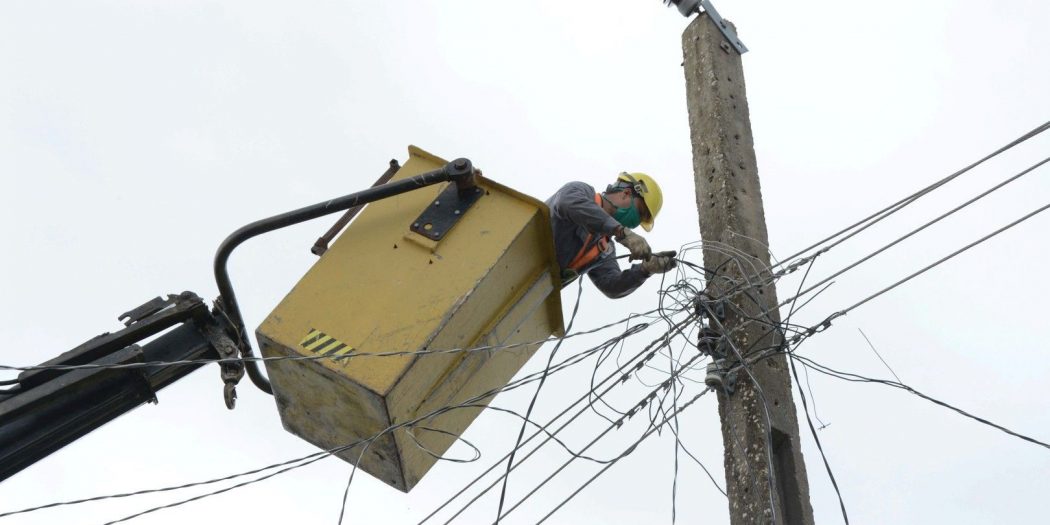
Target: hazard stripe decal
<point>320,343</point>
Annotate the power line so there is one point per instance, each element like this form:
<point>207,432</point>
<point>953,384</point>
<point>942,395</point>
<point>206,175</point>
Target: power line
<point>322,453</point>
<point>816,439</point>
<point>847,376</point>
<point>344,357</point>
<point>649,352</point>
<point>919,229</point>
<point>623,455</point>
<point>608,429</point>
<point>684,292</point>
<point>532,404</point>
<point>897,206</point>
<point>306,460</point>
<point>827,322</point>
<point>877,354</point>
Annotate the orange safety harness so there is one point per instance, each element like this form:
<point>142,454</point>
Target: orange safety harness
<point>588,253</point>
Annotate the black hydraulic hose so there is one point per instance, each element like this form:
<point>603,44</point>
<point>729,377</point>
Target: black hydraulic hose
<point>459,171</point>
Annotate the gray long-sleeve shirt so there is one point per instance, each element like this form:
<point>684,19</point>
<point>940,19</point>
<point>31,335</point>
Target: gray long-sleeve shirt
<point>575,215</point>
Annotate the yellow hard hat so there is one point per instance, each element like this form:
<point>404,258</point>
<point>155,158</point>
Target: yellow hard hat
<point>645,187</point>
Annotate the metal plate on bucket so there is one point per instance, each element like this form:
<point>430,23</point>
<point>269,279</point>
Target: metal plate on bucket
<point>445,212</point>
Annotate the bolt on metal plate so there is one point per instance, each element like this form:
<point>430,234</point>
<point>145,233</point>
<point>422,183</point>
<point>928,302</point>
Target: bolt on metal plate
<point>446,210</point>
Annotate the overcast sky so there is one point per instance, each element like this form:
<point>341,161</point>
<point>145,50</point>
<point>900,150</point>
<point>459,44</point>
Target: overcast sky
<point>135,136</point>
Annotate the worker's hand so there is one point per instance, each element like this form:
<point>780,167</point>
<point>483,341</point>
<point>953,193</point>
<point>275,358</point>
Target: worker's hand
<point>638,247</point>
<point>659,264</point>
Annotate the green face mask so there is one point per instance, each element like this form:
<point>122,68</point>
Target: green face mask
<point>628,217</point>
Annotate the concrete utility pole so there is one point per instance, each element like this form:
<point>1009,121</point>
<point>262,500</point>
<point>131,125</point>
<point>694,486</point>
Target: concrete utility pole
<point>760,413</point>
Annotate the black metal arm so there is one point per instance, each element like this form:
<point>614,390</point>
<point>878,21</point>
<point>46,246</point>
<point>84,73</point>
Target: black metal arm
<point>459,171</point>
<point>49,408</point>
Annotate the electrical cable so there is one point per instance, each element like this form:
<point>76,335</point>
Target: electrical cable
<point>827,322</point>
<point>919,229</point>
<point>856,378</point>
<point>877,354</point>
<point>165,489</point>
<point>648,352</point>
<point>816,439</point>
<point>743,363</point>
<point>771,473</point>
<point>608,429</point>
<point>893,208</point>
<point>805,404</point>
<point>514,384</point>
<point>608,466</point>
<point>669,396</point>
<point>306,460</point>
<point>344,357</point>
<point>532,404</point>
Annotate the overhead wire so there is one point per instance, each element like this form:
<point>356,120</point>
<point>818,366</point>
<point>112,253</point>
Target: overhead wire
<point>751,287</point>
<point>805,404</point>
<point>626,452</point>
<point>919,229</point>
<point>477,496</point>
<point>343,357</point>
<point>824,324</point>
<point>532,403</point>
<point>820,447</point>
<point>845,516</point>
<point>847,376</point>
<point>664,293</point>
<point>299,462</point>
<point>648,398</point>
<point>621,373</point>
<point>900,204</point>
<point>877,354</point>
<point>742,362</point>
<point>898,384</point>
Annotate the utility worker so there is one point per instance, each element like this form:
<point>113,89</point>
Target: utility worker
<point>583,221</point>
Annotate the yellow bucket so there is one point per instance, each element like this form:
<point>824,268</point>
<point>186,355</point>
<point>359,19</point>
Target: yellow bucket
<point>410,278</point>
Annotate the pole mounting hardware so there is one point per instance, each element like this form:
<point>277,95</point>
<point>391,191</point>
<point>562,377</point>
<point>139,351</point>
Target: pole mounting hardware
<point>690,7</point>
<point>721,376</point>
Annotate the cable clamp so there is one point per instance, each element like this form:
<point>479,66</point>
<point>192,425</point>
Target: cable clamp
<point>649,357</point>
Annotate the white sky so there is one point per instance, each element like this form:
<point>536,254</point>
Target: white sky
<point>134,136</point>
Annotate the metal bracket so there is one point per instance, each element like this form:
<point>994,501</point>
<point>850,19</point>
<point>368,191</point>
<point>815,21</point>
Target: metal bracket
<point>723,26</point>
<point>445,211</point>
<point>689,7</point>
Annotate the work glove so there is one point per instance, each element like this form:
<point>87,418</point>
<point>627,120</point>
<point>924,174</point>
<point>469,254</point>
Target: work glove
<point>638,247</point>
<point>659,264</point>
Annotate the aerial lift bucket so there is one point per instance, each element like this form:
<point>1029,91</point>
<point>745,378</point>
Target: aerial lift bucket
<point>426,305</point>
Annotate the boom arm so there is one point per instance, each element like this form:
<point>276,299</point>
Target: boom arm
<point>49,408</point>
